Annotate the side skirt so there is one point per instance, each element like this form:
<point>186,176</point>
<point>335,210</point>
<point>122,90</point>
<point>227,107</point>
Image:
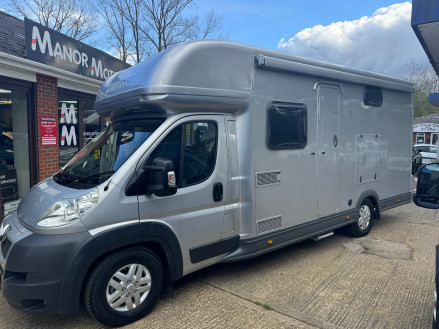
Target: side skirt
<point>257,246</point>
<point>213,249</point>
<point>396,201</point>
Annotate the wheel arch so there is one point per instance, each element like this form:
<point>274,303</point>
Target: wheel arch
<point>162,242</point>
<point>373,197</point>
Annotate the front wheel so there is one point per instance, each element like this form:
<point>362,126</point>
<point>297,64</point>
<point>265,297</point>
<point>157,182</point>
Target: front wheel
<point>124,287</point>
<point>366,216</point>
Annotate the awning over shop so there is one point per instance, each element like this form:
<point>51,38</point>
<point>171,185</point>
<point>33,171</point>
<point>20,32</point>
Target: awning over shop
<point>425,23</point>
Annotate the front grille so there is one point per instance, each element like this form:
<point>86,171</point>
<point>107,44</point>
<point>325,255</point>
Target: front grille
<point>5,247</point>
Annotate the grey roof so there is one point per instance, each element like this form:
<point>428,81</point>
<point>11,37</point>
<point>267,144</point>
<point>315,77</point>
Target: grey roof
<point>218,69</point>
<point>12,35</point>
<point>431,118</point>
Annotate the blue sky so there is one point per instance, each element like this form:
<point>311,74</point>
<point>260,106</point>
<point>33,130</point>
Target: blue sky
<point>367,34</point>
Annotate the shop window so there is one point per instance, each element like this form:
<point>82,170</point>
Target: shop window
<point>78,123</point>
<point>92,121</point>
<point>420,138</point>
<point>286,126</point>
<point>68,129</point>
<point>434,138</point>
<point>14,147</point>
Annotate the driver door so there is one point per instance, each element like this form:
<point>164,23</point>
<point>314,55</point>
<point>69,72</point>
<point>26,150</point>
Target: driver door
<point>197,147</point>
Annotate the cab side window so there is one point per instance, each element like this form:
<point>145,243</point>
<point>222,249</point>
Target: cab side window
<point>192,149</point>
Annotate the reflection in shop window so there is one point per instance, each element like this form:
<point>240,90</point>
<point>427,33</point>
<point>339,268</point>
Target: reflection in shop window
<point>14,148</point>
<point>92,122</point>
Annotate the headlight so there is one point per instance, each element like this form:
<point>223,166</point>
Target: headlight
<point>64,212</point>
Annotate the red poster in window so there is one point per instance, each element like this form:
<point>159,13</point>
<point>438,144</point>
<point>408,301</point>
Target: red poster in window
<point>49,130</point>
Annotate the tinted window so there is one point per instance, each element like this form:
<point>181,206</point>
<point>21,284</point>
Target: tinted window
<point>426,148</point>
<point>373,96</point>
<point>197,142</point>
<point>287,126</point>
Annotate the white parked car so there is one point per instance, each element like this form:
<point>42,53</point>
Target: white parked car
<point>428,152</point>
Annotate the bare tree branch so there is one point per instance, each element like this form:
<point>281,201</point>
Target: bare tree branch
<point>426,81</point>
<point>70,17</point>
<point>116,26</point>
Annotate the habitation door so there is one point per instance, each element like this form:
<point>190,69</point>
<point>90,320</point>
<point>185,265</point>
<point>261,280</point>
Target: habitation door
<point>328,107</point>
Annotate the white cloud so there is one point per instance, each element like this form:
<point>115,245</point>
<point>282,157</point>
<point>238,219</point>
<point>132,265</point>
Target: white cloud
<point>382,43</point>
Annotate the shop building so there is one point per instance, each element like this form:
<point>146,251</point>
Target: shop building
<point>425,23</point>
<point>48,84</point>
<point>426,129</point>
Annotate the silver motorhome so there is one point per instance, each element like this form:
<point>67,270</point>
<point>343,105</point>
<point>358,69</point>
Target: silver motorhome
<point>216,152</point>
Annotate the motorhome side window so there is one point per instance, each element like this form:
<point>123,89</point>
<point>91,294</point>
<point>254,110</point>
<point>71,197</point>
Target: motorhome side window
<point>373,96</point>
<point>287,126</point>
<point>192,149</point>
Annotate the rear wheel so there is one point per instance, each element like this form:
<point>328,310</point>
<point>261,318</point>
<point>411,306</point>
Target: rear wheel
<point>124,287</point>
<point>366,216</point>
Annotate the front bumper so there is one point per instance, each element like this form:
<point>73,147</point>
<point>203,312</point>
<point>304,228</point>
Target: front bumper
<point>44,272</point>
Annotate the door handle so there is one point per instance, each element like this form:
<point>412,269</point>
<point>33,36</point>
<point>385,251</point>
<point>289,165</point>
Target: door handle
<point>335,140</point>
<point>217,192</point>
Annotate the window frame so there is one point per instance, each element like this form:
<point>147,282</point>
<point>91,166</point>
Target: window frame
<point>373,101</point>
<point>286,146</point>
<point>420,135</point>
<point>182,125</point>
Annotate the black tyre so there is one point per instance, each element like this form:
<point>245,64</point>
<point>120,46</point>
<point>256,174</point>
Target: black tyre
<point>366,216</point>
<point>124,287</point>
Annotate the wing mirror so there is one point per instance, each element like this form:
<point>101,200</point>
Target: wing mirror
<point>426,189</point>
<point>161,177</point>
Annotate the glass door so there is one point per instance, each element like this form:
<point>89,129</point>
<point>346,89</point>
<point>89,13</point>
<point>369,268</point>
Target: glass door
<point>14,147</point>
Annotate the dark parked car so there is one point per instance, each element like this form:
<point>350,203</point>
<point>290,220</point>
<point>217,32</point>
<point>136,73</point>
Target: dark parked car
<point>426,195</point>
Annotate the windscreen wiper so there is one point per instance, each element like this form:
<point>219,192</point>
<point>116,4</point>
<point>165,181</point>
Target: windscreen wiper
<point>95,175</point>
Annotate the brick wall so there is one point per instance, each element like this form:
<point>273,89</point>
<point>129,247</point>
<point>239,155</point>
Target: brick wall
<point>47,105</point>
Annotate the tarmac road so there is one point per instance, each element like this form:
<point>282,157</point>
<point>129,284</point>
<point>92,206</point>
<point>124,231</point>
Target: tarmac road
<point>384,280</point>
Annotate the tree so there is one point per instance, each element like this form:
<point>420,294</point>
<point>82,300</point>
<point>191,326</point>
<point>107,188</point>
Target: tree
<point>426,81</point>
<point>151,26</point>
<point>118,28</point>
<point>70,17</point>
<point>166,24</point>
<point>132,12</point>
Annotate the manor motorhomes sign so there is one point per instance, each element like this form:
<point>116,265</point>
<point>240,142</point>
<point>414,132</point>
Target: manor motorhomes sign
<point>50,47</point>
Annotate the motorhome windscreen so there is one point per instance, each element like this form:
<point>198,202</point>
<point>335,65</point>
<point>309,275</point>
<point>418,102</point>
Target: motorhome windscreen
<point>106,153</point>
